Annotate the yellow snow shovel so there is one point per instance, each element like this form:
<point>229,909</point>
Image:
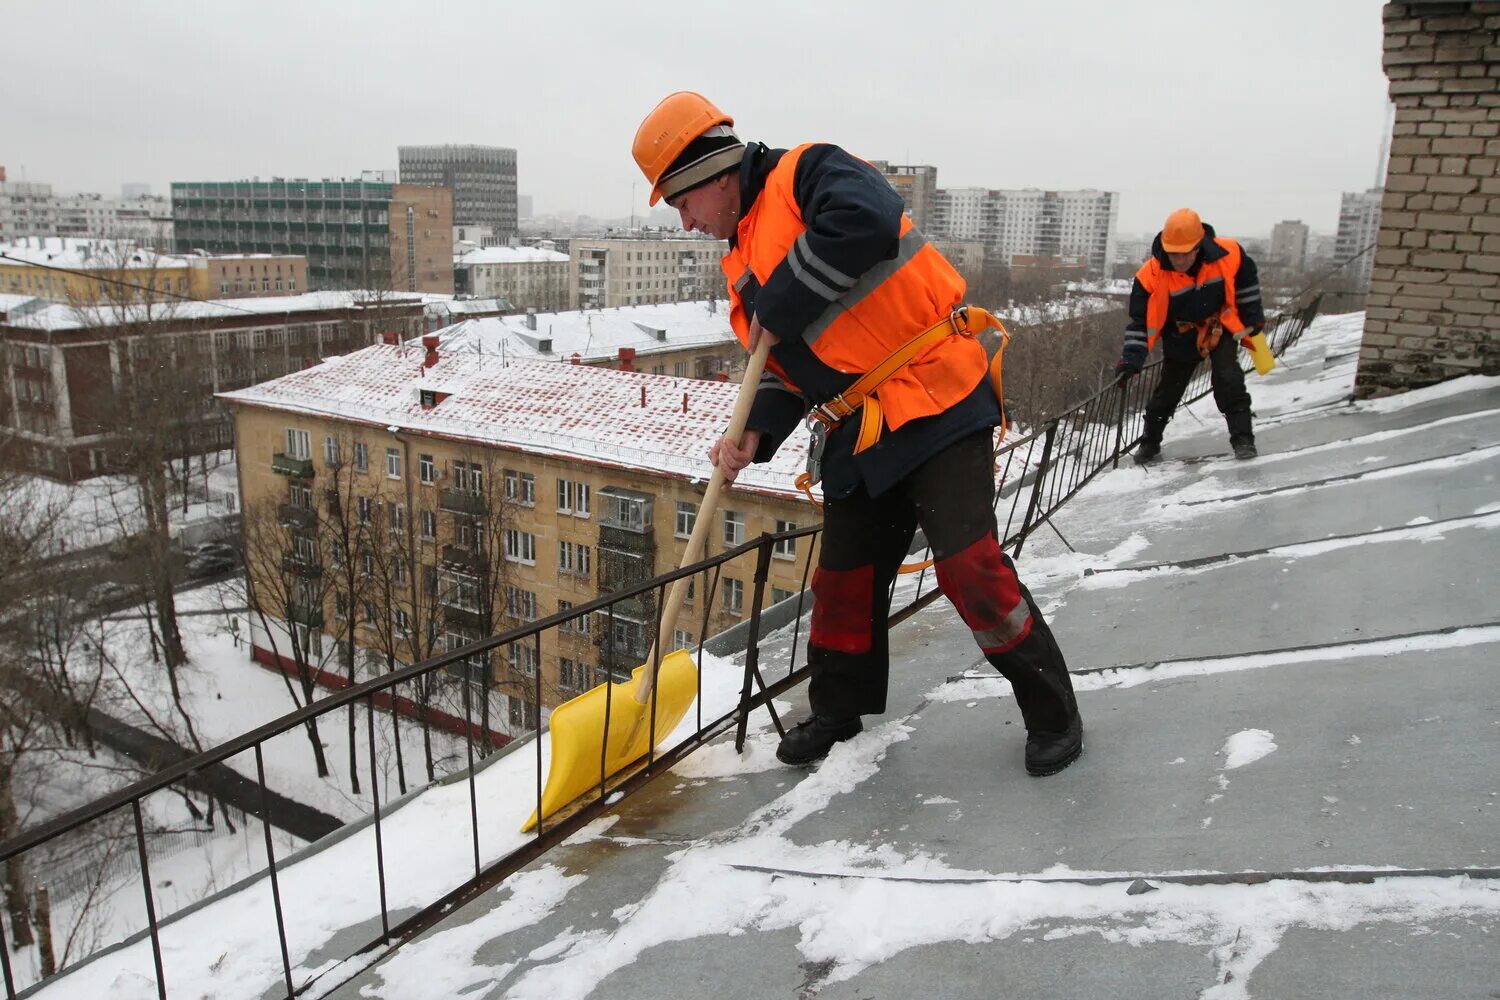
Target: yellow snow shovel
<point>580,740</point>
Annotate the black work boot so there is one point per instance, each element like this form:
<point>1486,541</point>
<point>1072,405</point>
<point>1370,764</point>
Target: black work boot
<point>1244,447</point>
<point>1241,434</point>
<point>1150,445</point>
<point>1048,753</point>
<point>811,740</point>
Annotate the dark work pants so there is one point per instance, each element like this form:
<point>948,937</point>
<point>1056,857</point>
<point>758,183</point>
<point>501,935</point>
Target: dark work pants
<point>865,541</point>
<point>1228,381</point>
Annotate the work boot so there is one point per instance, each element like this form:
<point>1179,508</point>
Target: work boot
<point>1048,753</point>
<point>1147,451</point>
<point>1244,447</point>
<point>810,741</point>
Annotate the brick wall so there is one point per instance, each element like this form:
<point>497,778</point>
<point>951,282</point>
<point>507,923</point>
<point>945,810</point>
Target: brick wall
<point>1433,311</point>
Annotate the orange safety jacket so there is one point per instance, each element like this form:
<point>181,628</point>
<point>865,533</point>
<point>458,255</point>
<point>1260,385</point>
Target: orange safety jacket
<point>1162,284</point>
<point>881,310</point>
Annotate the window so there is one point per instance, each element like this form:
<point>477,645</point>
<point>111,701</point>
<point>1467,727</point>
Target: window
<point>398,518</point>
<point>401,621</point>
<point>734,527</point>
<point>369,609</point>
<point>522,657</point>
<point>426,470</point>
<point>398,571</point>
<point>687,516</point>
<point>520,546</point>
<point>428,521</point>
<point>468,477</point>
<point>520,603</point>
<point>571,674</point>
<point>306,549</point>
<point>785,548</point>
<point>680,369</point>
<point>682,639</point>
<point>574,557</point>
<point>572,498</point>
<point>366,508</point>
<point>341,606</point>
<point>299,495</point>
<point>520,487</point>
<point>393,463</point>
<point>778,595</point>
<point>577,626</point>
<point>367,562</point>
<point>361,457</point>
<point>336,553</point>
<point>298,444</point>
<point>522,714</point>
<point>331,451</point>
<point>734,596</point>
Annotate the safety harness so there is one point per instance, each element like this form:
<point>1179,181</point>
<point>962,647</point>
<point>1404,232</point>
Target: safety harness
<point>964,321</point>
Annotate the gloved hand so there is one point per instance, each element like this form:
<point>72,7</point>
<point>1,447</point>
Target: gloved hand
<point>1125,371</point>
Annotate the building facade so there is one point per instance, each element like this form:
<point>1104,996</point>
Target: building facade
<point>1031,223</point>
<point>344,228</point>
<point>64,370</point>
<point>1359,226</point>
<point>1431,313</point>
<point>917,186</point>
<point>421,238</point>
<point>526,277</point>
<point>482,179</point>
<point>26,209</point>
<point>1288,247</point>
<point>82,271</point>
<point>451,504</point>
<point>628,271</point>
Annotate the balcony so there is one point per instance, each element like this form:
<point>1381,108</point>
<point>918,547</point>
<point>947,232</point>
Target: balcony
<point>462,502</point>
<point>294,516</point>
<point>461,617</point>
<point>286,465</point>
<point>303,614</point>
<point>301,567</point>
<point>465,557</point>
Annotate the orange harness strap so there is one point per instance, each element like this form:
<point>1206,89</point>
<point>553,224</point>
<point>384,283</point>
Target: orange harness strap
<point>965,321</point>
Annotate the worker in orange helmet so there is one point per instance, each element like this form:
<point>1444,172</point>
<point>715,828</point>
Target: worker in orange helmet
<point>825,265</point>
<point>1199,294</point>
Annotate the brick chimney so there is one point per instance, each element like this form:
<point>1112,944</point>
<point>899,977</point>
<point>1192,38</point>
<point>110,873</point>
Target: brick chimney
<point>627,359</point>
<point>391,337</point>
<point>431,343</point>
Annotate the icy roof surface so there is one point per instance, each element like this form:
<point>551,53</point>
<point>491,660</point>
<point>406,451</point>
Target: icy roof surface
<point>627,419</point>
<point>509,255</point>
<point>79,253</point>
<point>594,334</point>
<point>61,316</point>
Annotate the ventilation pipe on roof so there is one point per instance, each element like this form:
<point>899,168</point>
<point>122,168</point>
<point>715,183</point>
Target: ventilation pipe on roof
<point>684,402</point>
<point>577,358</point>
<point>531,319</point>
<point>431,343</point>
<point>643,396</point>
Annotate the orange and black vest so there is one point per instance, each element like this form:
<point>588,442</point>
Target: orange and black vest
<point>1162,284</point>
<point>887,306</point>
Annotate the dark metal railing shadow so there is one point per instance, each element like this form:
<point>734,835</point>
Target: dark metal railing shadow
<point>1037,475</point>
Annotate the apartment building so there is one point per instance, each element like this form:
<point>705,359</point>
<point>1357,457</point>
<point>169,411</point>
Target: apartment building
<point>629,271</point>
<point>417,499</point>
<point>353,233</point>
<point>482,179</point>
<point>683,339</point>
<point>1359,226</point>
<point>63,369</point>
<point>1030,223</point>
<point>78,271</point>
<point>526,277</point>
<point>1288,248</point>
<point>917,186</point>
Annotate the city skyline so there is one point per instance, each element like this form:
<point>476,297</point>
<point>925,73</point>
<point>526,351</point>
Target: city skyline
<point>1058,100</point>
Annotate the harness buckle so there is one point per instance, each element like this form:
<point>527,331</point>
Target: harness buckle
<point>828,415</point>
<point>959,320</point>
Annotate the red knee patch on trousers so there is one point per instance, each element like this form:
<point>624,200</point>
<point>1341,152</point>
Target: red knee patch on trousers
<point>842,599</point>
<point>987,595</point>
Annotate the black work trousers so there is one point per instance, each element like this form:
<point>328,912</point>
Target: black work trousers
<point>865,541</point>
<point>1230,394</point>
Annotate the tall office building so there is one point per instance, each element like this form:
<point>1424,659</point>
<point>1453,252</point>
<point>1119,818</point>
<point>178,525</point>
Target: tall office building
<point>483,180</point>
<point>1359,225</point>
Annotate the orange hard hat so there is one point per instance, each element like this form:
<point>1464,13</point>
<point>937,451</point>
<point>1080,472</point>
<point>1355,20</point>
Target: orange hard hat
<point>668,129</point>
<point>1183,231</point>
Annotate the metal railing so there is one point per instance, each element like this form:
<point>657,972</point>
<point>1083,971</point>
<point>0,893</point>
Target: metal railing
<point>1037,473</point>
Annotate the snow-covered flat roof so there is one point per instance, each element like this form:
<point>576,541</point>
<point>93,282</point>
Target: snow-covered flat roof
<point>77,253</point>
<point>632,420</point>
<point>510,255</point>
<point>595,333</point>
<point>60,316</point>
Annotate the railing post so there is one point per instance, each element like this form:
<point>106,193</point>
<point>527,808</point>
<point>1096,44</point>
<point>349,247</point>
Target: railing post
<point>385,917</point>
<point>1120,420</point>
<point>10,983</point>
<point>140,845</point>
<point>1036,489</point>
<point>265,822</point>
<point>752,647</point>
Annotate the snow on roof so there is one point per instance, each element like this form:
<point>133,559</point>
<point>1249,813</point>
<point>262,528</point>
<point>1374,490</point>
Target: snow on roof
<point>655,423</point>
<point>77,253</point>
<point>509,255</point>
<point>593,334</point>
<point>1056,310</point>
<point>60,316</point>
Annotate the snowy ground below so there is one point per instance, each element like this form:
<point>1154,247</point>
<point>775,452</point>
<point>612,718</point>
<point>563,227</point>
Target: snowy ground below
<point>1288,672</point>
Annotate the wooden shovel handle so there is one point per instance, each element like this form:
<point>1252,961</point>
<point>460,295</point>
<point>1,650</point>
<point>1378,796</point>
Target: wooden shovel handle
<point>701,527</point>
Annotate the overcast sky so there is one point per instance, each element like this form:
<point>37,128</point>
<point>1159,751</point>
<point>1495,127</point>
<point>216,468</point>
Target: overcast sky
<point>1250,112</point>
